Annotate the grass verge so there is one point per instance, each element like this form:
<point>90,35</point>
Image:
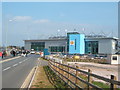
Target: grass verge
<point>99,84</point>
<point>46,78</point>
<point>41,80</point>
<point>54,79</point>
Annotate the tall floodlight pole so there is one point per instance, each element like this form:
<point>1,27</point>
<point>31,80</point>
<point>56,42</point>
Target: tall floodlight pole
<point>65,32</point>
<point>66,49</point>
<point>83,30</point>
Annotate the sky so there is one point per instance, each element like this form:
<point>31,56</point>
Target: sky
<point>38,20</point>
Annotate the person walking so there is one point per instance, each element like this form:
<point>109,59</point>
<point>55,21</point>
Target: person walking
<point>2,55</point>
<point>14,53</point>
<point>26,52</point>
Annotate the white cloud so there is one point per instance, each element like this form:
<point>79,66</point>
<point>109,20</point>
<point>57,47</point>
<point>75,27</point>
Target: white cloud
<point>41,21</point>
<point>22,18</point>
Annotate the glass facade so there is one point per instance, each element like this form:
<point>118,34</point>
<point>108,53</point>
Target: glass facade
<point>57,48</point>
<point>91,47</point>
<point>38,46</point>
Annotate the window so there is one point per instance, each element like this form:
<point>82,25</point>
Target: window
<point>114,58</point>
<point>57,48</point>
<point>91,47</point>
<point>38,46</point>
<point>75,44</point>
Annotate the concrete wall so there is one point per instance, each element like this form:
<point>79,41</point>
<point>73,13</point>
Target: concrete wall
<point>111,61</point>
<point>114,61</point>
<point>107,46</point>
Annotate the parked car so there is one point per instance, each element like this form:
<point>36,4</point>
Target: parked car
<point>32,52</point>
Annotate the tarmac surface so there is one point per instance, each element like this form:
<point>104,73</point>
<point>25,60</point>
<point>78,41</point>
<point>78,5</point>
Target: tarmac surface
<point>15,71</point>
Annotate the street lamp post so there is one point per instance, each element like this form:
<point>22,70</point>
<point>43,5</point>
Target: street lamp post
<point>6,41</point>
<point>6,35</point>
<point>65,31</point>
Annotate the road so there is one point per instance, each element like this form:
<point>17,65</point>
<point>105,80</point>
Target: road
<point>14,72</point>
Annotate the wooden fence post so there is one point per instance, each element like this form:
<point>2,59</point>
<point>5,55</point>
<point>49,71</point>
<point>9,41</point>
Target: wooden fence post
<point>54,64</point>
<point>59,68</point>
<point>113,86</point>
<point>62,71</point>
<point>68,73</point>
<point>89,78</point>
<point>76,80</point>
<point>49,63</point>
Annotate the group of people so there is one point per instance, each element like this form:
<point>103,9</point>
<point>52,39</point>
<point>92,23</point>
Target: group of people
<point>14,53</point>
<point>24,53</point>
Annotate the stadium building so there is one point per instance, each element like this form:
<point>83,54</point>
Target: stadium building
<point>75,43</point>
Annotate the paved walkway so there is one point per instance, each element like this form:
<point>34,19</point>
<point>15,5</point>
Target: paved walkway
<point>7,57</point>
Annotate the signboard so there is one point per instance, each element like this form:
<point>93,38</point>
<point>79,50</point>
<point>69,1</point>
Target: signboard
<point>46,51</point>
<point>72,42</point>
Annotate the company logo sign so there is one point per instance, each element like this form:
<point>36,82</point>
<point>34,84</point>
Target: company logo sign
<point>72,42</point>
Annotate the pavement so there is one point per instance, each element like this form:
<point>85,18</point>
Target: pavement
<point>7,57</point>
<point>97,65</point>
<point>12,58</point>
<point>14,72</point>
